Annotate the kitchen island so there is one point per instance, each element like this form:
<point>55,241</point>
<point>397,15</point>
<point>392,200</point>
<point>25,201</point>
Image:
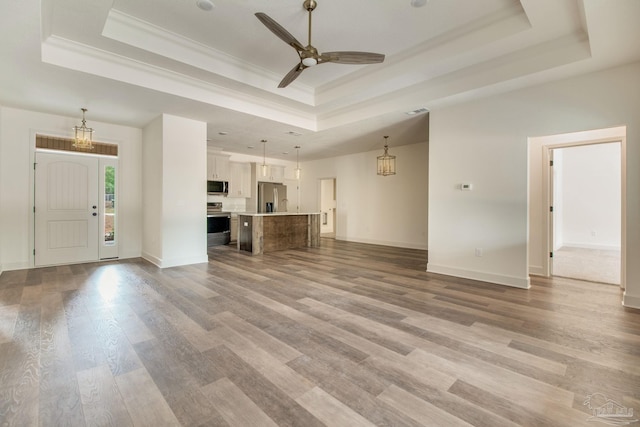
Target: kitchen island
<point>260,233</point>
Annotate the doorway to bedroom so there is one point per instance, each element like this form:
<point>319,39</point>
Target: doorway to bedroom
<point>587,212</point>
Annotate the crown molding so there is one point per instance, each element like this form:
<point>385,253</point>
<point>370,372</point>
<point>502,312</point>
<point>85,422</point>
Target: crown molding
<point>80,57</point>
<point>135,32</point>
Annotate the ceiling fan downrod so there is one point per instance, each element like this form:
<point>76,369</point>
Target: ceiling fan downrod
<point>310,58</point>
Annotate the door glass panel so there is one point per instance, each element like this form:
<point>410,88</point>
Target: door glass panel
<point>109,205</point>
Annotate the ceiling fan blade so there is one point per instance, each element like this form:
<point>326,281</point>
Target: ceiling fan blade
<point>279,31</point>
<point>292,75</point>
<point>349,57</point>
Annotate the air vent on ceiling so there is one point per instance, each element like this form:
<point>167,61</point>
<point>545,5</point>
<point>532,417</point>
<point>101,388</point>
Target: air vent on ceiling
<point>417,111</point>
<point>205,5</point>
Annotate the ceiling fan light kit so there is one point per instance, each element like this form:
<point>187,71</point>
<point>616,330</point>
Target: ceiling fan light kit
<point>309,55</point>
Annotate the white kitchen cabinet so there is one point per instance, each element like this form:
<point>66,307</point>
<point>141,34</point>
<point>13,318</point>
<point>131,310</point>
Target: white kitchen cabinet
<point>217,167</point>
<point>275,173</point>
<point>240,179</point>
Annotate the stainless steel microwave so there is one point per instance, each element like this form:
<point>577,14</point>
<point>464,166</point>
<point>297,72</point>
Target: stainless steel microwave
<point>218,187</point>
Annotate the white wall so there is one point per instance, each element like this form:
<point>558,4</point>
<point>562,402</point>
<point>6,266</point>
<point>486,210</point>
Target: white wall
<point>485,142</point>
<point>591,212</point>
<point>1,188</point>
<point>152,154</point>
<point>17,145</point>
<point>389,210</point>
<point>177,211</point>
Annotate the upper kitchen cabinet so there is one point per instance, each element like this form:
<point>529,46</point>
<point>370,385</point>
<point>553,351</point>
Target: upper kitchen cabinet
<point>217,167</point>
<point>240,181</point>
<point>275,173</point>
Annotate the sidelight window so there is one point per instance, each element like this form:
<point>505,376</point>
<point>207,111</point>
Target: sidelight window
<point>109,205</point>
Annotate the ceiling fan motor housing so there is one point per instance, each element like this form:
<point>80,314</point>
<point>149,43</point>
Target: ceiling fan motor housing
<point>309,5</point>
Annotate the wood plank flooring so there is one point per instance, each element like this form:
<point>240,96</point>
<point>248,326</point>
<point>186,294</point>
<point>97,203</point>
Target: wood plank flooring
<point>346,334</point>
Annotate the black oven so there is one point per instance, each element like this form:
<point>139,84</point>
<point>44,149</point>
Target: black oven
<point>218,229</point>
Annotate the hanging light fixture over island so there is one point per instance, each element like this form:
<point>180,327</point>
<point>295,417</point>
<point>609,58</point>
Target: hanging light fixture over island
<point>264,157</point>
<point>297,170</point>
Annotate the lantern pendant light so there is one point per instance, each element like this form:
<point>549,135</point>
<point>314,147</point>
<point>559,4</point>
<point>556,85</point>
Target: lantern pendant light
<point>83,134</point>
<point>386,162</point>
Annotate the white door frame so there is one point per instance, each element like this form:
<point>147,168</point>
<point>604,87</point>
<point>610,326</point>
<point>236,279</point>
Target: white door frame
<point>617,135</point>
<point>335,198</point>
<point>104,251</point>
<point>551,212</point>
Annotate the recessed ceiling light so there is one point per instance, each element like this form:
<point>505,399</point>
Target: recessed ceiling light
<point>285,152</point>
<point>223,133</point>
<point>292,133</point>
<point>418,3</point>
<point>205,5</point>
<point>251,147</point>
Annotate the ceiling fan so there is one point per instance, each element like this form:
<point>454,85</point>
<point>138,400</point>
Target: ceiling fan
<point>309,55</point>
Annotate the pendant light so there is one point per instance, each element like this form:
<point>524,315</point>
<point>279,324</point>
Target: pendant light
<point>386,162</point>
<point>83,134</point>
<point>297,170</point>
<point>264,157</point>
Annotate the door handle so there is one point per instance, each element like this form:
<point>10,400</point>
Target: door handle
<point>95,207</point>
<point>94,214</point>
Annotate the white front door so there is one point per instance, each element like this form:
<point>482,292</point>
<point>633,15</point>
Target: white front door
<point>67,220</point>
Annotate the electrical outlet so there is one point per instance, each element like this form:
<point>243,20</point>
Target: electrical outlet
<point>479,252</point>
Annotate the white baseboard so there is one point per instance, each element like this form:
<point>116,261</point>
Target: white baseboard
<point>630,301</point>
<point>175,262</point>
<point>15,266</point>
<point>499,279</point>
<point>384,243</point>
<point>152,259</point>
<point>590,246</point>
<point>537,270</point>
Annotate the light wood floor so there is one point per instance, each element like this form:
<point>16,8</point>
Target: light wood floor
<point>343,335</point>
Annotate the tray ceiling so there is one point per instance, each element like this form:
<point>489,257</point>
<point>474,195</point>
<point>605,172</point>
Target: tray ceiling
<point>129,60</point>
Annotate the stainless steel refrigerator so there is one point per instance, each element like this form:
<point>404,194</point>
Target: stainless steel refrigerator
<point>272,197</point>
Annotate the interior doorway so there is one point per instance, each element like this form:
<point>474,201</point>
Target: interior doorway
<point>541,241</point>
<point>328,207</point>
<point>585,186</point>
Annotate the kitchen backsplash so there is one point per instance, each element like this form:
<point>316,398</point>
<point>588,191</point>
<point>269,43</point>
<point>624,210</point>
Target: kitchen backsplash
<point>230,204</point>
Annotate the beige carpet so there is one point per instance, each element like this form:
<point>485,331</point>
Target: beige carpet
<point>587,264</point>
